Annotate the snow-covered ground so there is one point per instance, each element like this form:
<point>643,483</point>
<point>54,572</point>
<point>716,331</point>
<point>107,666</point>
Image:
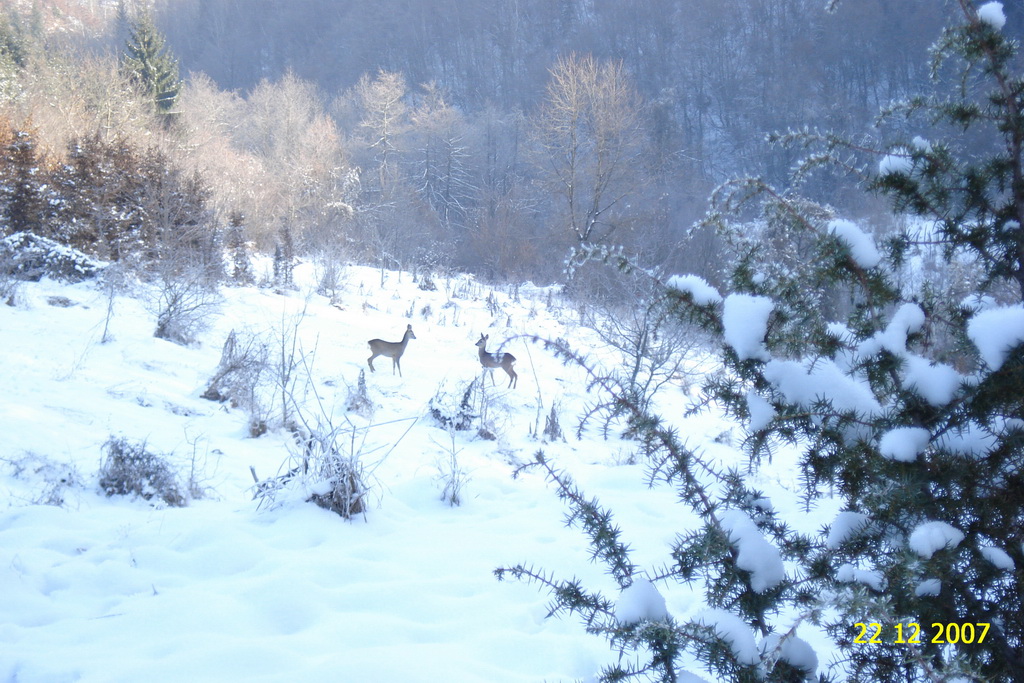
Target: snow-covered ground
<point>121,589</point>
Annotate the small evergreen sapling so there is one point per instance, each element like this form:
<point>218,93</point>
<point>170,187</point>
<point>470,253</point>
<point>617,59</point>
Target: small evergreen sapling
<point>241,265</point>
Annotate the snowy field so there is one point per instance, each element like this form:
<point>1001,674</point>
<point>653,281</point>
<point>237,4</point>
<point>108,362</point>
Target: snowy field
<point>122,589</point>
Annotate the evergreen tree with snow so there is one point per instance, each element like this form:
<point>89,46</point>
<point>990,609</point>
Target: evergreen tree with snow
<point>241,266</point>
<point>284,258</point>
<point>149,62</point>
<point>908,409</point>
<point>13,43</point>
<point>99,186</point>
<point>23,183</point>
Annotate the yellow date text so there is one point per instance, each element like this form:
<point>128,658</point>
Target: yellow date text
<point>911,633</point>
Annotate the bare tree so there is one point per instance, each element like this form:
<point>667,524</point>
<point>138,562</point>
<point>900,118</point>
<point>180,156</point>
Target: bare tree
<point>589,135</point>
<point>381,102</point>
<point>443,175</point>
<point>304,179</point>
<point>387,200</point>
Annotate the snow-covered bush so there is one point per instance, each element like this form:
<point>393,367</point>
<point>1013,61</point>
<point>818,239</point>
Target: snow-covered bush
<point>340,479</point>
<point>49,481</point>
<point>358,400</point>
<point>130,468</point>
<point>327,467</point>
<point>454,409</point>
<point>31,257</point>
<point>237,379</point>
<point>655,349</point>
<point>331,272</point>
<point>9,281</point>
<point>552,426</point>
<point>450,474</point>
<point>329,463</point>
<point>921,445</point>
<point>184,301</point>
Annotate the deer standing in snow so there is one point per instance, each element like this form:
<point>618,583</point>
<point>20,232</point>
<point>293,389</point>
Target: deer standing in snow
<point>490,361</point>
<point>392,350</point>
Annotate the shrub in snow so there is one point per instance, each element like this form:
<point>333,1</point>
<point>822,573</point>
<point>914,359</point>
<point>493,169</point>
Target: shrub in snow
<point>328,464</point>
<point>184,301</point>
<point>243,360</point>
<point>319,470</point>
<point>358,400</point>
<point>9,282</point>
<point>920,443</point>
<point>450,474</point>
<point>655,349</point>
<point>454,409</point>
<point>243,366</point>
<point>341,487</point>
<point>129,468</point>
<point>31,257</point>
<point>552,426</point>
<point>48,481</point>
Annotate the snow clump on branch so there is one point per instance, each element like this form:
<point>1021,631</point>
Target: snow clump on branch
<point>703,294</point>
<point>745,323</point>
<point>862,246</point>
<point>797,652</point>
<point>904,443</point>
<point>995,332</point>
<point>898,163</point>
<point>846,525</point>
<point>930,537</point>
<point>991,13</point>
<point>733,631</point>
<point>640,601</point>
<point>754,553</point>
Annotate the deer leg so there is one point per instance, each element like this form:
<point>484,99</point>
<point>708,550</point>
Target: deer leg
<point>369,361</point>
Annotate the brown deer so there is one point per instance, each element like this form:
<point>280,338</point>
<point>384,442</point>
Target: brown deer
<point>490,361</point>
<point>392,350</point>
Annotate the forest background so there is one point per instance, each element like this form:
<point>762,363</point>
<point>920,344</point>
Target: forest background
<point>486,137</point>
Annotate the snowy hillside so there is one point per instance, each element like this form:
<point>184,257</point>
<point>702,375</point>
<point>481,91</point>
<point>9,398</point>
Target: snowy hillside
<point>124,589</point>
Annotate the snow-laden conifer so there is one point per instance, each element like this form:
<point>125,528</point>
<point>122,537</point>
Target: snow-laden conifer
<point>905,404</point>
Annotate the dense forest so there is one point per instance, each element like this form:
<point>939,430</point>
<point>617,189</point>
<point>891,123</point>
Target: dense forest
<point>483,136</point>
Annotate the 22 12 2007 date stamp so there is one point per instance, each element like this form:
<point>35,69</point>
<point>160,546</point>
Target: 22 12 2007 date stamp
<point>952,633</point>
